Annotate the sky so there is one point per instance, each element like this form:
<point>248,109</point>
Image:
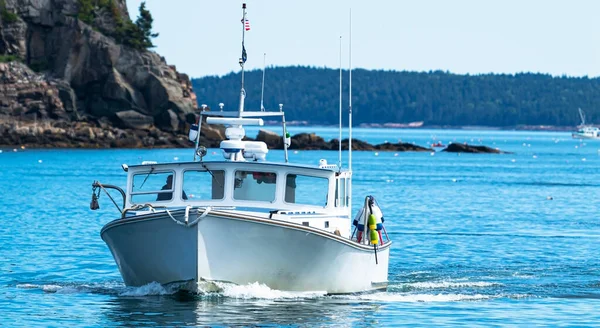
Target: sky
<point>203,37</point>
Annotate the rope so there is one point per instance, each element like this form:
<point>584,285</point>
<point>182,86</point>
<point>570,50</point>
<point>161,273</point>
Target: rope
<point>174,219</point>
<point>204,212</point>
<point>193,223</point>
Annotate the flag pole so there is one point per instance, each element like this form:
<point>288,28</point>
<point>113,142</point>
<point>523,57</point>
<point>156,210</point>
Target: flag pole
<point>243,60</point>
<point>262,92</point>
<point>340,115</point>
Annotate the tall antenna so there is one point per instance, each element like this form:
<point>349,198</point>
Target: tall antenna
<point>262,92</point>
<point>350,99</point>
<point>340,127</point>
<point>349,186</point>
<point>243,59</point>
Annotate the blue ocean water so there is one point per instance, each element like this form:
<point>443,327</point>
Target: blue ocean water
<point>480,239</point>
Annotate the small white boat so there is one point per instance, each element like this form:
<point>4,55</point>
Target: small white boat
<point>244,219</point>
<point>586,131</point>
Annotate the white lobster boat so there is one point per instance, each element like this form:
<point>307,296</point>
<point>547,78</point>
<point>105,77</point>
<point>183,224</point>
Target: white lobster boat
<point>586,131</point>
<point>244,219</point>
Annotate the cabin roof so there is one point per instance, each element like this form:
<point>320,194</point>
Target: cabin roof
<point>230,163</point>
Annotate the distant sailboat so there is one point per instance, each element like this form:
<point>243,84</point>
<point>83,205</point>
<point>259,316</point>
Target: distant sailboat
<point>586,131</point>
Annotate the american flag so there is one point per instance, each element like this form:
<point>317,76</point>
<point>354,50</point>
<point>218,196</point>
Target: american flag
<point>247,25</point>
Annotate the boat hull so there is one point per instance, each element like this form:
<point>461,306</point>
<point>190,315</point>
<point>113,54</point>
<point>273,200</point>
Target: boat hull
<point>584,136</point>
<point>243,249</point>
<point>152,249</point>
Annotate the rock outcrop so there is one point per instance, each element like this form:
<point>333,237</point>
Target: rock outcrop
<point>65,71</point>
<point>93,134</point>
<point>310,141</point>
<point>465,148</point>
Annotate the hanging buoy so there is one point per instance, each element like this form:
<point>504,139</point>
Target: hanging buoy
<point>193,133</point>
<point>374,237</point>
<point>372,222</point>
<point>288,139</point>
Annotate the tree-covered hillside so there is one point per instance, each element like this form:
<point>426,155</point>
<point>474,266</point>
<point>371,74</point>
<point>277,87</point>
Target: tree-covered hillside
<point>436,98</point>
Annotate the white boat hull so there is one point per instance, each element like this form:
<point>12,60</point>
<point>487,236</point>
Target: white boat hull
<point>152,249</point>
<point>584,136</point>
<point>244,249</point>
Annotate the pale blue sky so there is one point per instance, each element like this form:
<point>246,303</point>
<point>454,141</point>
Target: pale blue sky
<point>461,36</point>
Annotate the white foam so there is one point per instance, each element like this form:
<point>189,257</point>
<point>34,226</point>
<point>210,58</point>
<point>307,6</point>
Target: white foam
<point>261,291</point>
<point>151,289</point>
<point>451,284</point>
<point>51,288</point>
<point>403,297</point>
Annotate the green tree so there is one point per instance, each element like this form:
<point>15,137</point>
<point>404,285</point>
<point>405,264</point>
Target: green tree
<point>86,14</point>
<point>144,25</point>
<point>437,98</point>
<point>6,15</point>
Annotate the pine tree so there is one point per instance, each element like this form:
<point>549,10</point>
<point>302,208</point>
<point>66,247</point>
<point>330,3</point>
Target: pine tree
<point>144,24</point>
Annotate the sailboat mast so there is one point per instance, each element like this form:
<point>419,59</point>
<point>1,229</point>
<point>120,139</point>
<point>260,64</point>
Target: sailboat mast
<point>243,59</point>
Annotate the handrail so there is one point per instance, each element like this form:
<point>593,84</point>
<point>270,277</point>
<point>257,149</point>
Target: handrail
<point>97,184</point>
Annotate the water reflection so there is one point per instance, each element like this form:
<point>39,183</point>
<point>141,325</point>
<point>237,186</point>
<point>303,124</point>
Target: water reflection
<point>210,310</point>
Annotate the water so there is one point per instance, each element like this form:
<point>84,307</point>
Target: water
<point>480,239</point>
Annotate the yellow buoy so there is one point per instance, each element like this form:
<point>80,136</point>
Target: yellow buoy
<point>372,222</point>
<point>374,237</point>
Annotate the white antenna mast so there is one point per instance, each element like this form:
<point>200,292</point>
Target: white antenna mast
<point>340,139</point>
<point>350,99</point>
<point>349,187</point>
<point>262,92</point>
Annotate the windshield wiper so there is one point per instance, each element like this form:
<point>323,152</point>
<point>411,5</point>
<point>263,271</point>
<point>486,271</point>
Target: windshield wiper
<point>146,178</point>
<point>211,173</point>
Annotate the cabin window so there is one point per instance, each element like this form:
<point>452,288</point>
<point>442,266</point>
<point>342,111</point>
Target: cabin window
<point>152,187</point>
<point>341,195</point>
<point>254,185</point>
<point>204,185</point>
<point>306,190</point>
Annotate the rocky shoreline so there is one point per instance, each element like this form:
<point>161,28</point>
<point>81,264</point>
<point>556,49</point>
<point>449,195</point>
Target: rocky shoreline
<point>101,134</point>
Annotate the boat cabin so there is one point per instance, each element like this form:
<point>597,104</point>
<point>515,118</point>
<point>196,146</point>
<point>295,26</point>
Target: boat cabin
<point>589,132</point>
<point>308,195</point>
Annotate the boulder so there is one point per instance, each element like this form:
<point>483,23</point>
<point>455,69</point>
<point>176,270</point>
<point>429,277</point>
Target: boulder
<point>134,120</point>
<point>308,141</point>
<point>402,146</point>
<point>213,132</point>
<point>272,139</point>
<point>465,148</point>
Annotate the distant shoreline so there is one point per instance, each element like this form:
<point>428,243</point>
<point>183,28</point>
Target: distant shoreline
<point>548,128</point>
